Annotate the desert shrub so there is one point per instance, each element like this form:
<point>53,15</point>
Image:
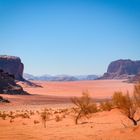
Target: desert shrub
<point>11,120</point>
<point>23,115</point>
<point>137,94</point>
<point>106,106</point>
<point>58,118</point>
<point>37,112</point>
<point>119,99</point>
<point>3,116</point>
<point>36,122</point>
<point>84,106</point>
<point>11,113</point>
<point>32,112</point>
<point>45,117</point>
<point>129,105</point>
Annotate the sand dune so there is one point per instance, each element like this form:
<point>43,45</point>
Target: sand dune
<point>107,125</point>
<point>101,126</point>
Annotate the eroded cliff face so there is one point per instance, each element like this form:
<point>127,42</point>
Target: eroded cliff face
<point>12,65</point>
<point>9,86</point>
<point>122,69</point>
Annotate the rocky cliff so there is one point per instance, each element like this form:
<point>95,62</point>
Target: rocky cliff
<point>12,65</point>
<point>122,69</point>
<point>9,86</point>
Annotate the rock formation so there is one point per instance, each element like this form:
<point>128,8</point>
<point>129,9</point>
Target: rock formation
<point>12,65</point>
<point>9,86</point>
<point>122,69</point>
<point>2,100</point>
<point>136,78</point>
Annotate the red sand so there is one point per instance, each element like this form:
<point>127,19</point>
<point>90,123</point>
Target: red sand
<point>97,89</point>
<point>101,126</point>
<point>61,92</point>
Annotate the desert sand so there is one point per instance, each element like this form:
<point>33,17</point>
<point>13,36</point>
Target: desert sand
<point>27,124</point>
<point>61,92</point>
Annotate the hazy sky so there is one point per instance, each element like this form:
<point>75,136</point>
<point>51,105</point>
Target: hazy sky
<point>70,36</point>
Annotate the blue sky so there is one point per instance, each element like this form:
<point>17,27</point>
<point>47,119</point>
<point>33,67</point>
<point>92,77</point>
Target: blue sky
<point>70,36</point>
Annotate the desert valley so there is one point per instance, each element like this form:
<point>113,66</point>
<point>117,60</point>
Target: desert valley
<point>44,109</point>
<point>69,69</point>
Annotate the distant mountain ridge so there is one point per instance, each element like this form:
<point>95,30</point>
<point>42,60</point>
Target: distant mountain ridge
<point>60,77</point>
<point>122,69</point>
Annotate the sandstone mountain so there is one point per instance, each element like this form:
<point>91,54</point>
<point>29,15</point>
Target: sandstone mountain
<point>136,78</point>
<point>9,86</point>
<point>122,69</point>
<point>12,65</point>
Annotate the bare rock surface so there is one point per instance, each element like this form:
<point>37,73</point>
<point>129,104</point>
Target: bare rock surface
<point>122,69</point>
<point>12,65</point>
<point>9,86</point>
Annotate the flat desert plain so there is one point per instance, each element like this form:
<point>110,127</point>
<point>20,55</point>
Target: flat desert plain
<point>21,119</point>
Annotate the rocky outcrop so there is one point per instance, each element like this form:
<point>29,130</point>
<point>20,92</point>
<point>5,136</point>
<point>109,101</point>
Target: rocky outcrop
<point>9,86</point>
<point>2,100</point>
<point>136,78</point>
<point>122,69</point>
<point>12,65</point>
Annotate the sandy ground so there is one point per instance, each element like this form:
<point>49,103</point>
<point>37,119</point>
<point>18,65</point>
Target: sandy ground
<point>97,89</point>
<point>60,93</point>
<point>101,126</point>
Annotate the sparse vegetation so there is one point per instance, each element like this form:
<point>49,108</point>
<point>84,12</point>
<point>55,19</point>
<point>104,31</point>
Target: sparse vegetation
<point>129,106</point>
<point>137,94</point>
<point>84,109</point>
<point>36,122</point>
<point>84,106</point>
<point>3,115</point>
<point>45,117</point>
<point>106,106</point>
<point>58,118</point>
